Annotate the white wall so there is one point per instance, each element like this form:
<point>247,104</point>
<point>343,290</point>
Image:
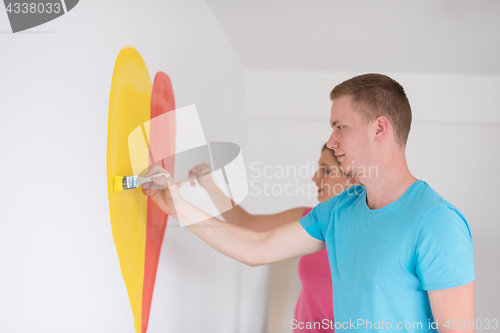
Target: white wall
<point>60,270</point>
<point>453,146</point>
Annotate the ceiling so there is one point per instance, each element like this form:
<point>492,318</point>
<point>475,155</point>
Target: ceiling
<point>414,36</point>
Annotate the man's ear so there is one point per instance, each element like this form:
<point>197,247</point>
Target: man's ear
<point>382,126</point>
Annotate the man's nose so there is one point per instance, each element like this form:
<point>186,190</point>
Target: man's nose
<point>332,142</point>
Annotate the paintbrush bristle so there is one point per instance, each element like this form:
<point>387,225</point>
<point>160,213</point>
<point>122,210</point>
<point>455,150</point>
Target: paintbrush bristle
<point>118,183</point>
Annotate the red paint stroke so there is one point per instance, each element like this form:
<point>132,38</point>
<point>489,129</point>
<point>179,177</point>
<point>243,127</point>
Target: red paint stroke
<point>162,142</point>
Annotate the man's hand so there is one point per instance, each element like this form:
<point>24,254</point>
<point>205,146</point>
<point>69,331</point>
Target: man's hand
<point>158,190</point>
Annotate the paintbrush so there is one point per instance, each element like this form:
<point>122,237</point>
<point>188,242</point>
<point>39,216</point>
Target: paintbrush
<point>121,183</point>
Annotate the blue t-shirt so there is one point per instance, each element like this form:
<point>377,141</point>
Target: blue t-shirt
<point>383,261</point>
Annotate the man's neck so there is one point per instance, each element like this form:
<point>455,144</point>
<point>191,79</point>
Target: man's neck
<point>391,182</point>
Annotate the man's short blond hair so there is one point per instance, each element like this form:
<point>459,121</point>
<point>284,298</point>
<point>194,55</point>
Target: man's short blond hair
<point>375,95</point>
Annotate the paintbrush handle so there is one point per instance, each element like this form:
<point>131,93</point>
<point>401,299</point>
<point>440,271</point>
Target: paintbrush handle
<point>142,180</point>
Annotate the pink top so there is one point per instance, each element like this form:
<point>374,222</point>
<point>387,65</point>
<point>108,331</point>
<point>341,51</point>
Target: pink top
<point>315,301</point>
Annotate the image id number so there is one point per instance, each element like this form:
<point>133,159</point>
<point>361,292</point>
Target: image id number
<point>471,323</point>
<point>34,8</point>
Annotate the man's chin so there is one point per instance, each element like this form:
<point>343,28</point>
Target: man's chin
<point>348,172</point>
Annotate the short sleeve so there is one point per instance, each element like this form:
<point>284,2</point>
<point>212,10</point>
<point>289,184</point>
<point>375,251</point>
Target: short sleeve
<point>317,220</point>
<point>444,253</point>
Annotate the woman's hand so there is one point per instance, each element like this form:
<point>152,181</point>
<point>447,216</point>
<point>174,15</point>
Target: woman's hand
<point>162,191</point>
<point>201,174</point>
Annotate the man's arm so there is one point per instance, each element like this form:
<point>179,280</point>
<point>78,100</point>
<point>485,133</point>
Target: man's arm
<point>250,247</point>
<point>454,307</point>
<point>255,248</point>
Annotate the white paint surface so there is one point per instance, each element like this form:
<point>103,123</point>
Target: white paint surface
<point>60,270</point>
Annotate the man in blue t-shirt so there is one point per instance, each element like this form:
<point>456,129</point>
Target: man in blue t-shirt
<point>400,255</point>
<point>386,263</point>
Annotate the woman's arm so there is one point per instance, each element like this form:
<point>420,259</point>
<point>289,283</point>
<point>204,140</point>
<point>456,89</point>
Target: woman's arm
<point>237,215</point>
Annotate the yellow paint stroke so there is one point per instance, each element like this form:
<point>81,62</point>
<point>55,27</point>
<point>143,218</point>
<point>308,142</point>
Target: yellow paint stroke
<point>129,107</point>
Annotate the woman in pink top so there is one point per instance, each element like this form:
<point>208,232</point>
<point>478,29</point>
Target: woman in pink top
<point>314,309</point>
